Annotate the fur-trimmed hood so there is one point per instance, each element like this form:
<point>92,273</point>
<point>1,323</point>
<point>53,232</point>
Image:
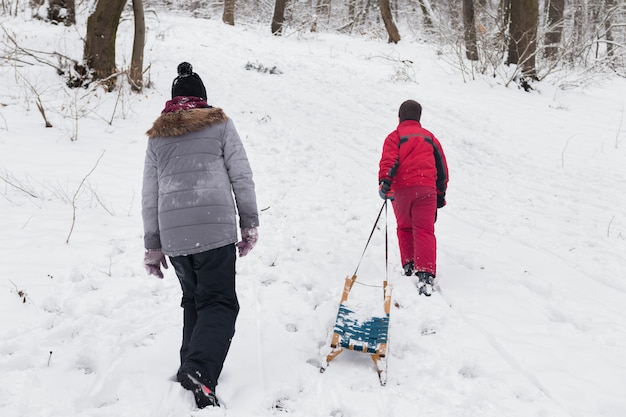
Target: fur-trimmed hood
<point>185,121</point>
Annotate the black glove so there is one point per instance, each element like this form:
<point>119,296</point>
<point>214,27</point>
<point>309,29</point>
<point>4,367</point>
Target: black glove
<point>384,189</point>
<point>441,200</point>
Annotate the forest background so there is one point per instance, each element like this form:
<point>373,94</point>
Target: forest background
<point>534,37</point>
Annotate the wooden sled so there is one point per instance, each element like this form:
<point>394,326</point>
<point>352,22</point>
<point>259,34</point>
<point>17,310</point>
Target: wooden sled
<point>369,336</point>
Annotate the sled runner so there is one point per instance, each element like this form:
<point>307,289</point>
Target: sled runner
<point>367,335</point>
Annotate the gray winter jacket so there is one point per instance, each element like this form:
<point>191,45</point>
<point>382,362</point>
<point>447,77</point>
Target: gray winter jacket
<point>195,161</point>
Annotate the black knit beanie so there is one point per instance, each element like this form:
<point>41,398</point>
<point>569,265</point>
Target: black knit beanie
<point>410,110</point>
<point>188,83</point>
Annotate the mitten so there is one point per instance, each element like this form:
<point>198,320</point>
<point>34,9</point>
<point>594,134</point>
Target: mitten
<point>249,237</point>
<point>153,259</point>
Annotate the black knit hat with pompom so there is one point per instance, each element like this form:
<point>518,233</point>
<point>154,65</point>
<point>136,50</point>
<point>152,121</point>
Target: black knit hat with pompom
<point>188,83</point>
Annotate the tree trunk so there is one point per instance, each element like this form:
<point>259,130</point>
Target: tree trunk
<point>56,14</point>
<point>279,17</point>
<point>322,8</point>
<point>608,26</point>
<point>361,14</point>
<point>229,12</point>
<point>351,9</point>
<point>428,21</point>
<point>579,27</point>
<point>523,35</point>
<point>555,27</point>
<point>392,30</point>
<point>504,13</point>
<point>136,63</point>
<point>99,52</point>
<point>469,22</point>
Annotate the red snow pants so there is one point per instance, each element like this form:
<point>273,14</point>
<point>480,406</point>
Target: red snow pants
<point>415,209</point>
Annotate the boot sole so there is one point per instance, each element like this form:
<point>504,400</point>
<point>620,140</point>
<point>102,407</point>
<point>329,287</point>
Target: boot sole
<point>202,394</point>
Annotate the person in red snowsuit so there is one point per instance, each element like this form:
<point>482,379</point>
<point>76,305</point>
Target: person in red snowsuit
<point>413,173</point>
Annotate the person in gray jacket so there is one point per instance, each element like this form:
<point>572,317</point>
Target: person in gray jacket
<point>195,162</point>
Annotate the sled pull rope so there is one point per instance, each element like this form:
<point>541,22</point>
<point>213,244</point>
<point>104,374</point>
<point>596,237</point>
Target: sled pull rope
<point>384,206</point>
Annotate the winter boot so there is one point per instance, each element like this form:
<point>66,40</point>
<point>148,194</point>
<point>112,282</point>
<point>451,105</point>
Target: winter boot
<point>408,268</point>
<point>203,395</point>
<point>425,283</point>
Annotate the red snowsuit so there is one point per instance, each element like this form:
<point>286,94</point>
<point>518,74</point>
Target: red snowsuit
<point>414,162</point>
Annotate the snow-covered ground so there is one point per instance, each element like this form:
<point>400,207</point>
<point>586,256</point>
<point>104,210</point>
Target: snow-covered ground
<point>531,316</point>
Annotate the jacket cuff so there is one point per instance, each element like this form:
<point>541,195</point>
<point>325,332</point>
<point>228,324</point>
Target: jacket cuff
<point>248,222</point>
<point>152,242</point>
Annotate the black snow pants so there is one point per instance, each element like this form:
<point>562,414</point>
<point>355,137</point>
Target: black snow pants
<point>210,310</point>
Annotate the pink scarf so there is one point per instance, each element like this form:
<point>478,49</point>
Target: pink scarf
<point>184,103</point>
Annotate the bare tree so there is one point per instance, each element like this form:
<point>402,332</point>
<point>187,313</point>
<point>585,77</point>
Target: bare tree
<point>228,16</point>
<point>523,35</point>
<point>392,30</point>
<point>352,9</point>
<point>428,21</point>
<point>358,13</point>
<point>469,23</point>
<point>608,28</point>
<point>136,63</point>
<point>579,25</point>
<point>99,51</point>
<point>555,27</point>
<point>504,12</point>
<point>279,17</point>
<point>322,8</point>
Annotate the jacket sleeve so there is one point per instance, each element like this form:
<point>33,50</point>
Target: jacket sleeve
<point>150,201</point>
<point>240,175</point>
<point>442,169</point>
<point>389,158</point>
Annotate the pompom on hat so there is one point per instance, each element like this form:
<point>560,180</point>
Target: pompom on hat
<point>410,110</point>
<point>188,83</point>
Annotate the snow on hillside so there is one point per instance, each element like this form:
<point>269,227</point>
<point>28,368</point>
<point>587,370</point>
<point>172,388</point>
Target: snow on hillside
<point>531,316</point>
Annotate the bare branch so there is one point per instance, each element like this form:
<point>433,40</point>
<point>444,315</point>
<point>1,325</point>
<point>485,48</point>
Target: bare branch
<point>19,187</point>
<point>76,194</point>
<point>36,54</point>
<point>37,99</point>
